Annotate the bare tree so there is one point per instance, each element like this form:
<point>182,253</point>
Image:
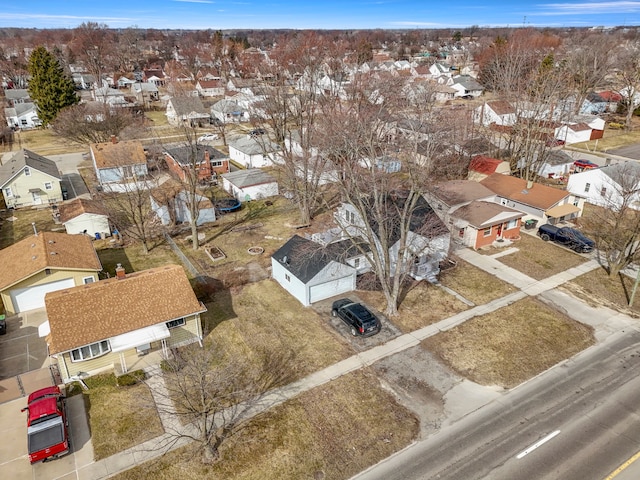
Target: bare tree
<point>389,211</point>
<point>97,123</point>
<point>628,62</point>
<point>212,398</point>
<point>615,225</point>
<point>291,113</point>
<point>92,44</point>
<point>127,202</point>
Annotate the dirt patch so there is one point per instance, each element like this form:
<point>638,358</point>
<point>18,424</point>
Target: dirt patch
<point>419,381</point>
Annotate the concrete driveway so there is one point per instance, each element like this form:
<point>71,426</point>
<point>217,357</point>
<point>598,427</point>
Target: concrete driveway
<point>24,361</point>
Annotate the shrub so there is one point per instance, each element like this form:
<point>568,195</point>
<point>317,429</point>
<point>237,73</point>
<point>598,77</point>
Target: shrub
<point>616,126</point>
<point>131,378</point>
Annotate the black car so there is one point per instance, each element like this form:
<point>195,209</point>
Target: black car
<point>569,237</point>
<point>357,317</point>
<point>3,325</point>
<point>257,131</point>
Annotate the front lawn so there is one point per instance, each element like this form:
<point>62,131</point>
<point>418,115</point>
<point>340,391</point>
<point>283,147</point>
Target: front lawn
<point>119,416</point>
<point>512,344</point>
<point>330,432</point>
<point>474,284</point>
<point>539,259</point>
<point>598,288</point>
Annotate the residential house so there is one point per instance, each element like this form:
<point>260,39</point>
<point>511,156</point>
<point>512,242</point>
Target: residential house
<point>110,96</point>
<point>612,100</point>
<point>472,216</point>
<point>593,104</point>
<point>466,86</point>
<point>251,184</point>
<point>427,243</point>
<point>171,202</point>
<point>311,272</point>
<point>28,179</point>
<point>108,324</point>
<point>119,164</point>
<point>145,93</point>
<point>208,161</point>
<point>82,216</point>
<point>556,164</point>
<point>42,263</point>
<point>210,88</point>
<point>228,111</point>
<point>440,70</point>
<point>610,186</point>
<point>22,115</point>
<point>16,96</point>
<point>187,111</point>
<point>499,112</point>
<point>537,201</point>
<point>254,152</point>
<point>585,128</point>
<point>154,76</point>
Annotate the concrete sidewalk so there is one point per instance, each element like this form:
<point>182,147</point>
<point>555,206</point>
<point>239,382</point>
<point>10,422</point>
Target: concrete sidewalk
<point>474,397</point>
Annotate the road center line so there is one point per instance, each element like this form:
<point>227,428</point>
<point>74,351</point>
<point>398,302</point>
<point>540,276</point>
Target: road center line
<point>537,444</point>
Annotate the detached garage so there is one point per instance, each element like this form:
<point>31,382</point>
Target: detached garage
<point>45,263</point>
<point>85,216</point>
<point>310,271</point>
<point>252,184</point>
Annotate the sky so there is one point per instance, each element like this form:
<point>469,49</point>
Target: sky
<point>318,14</point>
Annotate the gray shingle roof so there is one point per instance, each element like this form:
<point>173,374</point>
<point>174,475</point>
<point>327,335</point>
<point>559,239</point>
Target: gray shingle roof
<point>24,158</point>
<point>248,178</point>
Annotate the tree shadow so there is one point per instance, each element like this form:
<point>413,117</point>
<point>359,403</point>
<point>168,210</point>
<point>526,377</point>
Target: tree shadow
<point>217,298</point>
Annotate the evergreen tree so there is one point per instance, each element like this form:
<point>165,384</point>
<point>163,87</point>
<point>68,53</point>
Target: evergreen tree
<point>49,87</point>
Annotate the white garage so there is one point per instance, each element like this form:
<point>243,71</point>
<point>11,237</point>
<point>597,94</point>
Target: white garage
<point>31,298</point>
<point>331,288</point>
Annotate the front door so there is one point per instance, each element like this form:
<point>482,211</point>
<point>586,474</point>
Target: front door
<point>36,198</point>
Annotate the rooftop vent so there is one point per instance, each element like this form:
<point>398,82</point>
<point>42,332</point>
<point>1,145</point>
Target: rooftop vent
<point>51,242</point>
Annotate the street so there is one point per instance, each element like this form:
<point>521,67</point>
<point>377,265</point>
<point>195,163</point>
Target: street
<point>577,421</point>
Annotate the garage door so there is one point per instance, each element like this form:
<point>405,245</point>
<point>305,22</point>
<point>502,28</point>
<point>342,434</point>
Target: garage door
<point>33,297</point>
<point>329,289</point>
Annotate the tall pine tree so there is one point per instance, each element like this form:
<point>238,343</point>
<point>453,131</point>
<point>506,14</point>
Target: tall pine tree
<point>49,87</point>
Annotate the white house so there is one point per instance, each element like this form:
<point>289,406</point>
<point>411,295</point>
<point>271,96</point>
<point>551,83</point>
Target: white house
<point>556,164</point>
<point>228,111</point>
<point>170,203</point>
<point>499,112</point>
<point>573,133</point>
<point>86,217</point>
<point>110,96</point>
<point>254,152</point>
<point>609,186</point>
<point>22,115</point>
<point>252,184</point>
<point>311,272</point>
<point>210,88</point>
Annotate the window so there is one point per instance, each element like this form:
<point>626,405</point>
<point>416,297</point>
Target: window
<point>8,193</point>
<point>27,171</point>
<point>512,223</point>
<point>87,280</point>
<point>486,232</point>
<point>180,322</point>
<point>356,262</point>
<point>461,233</point>
<point>287,277</point>
<point>90,351</point>
<point>48,186</point>
<point>603,191</point>
<point>587,186</point>
<point>575,202</point>
<point>47,271</point>
<point>217,163</point>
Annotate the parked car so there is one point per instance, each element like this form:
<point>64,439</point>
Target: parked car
<point>357,317</point>
<point>583,164</point>
<point>569,237</point>
<point>208,137</point>
<point>257,131</point>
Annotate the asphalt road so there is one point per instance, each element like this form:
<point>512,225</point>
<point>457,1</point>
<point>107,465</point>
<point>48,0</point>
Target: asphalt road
<point>578,421</point>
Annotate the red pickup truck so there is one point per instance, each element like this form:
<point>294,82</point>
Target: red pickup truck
<point>47,426</point>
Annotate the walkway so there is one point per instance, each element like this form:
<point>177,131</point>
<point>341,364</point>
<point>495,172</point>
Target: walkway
<point>527,287</point>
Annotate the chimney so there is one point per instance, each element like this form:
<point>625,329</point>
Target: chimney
<point>114,139</point>
<point>120,273</point>
<point>205,169</point>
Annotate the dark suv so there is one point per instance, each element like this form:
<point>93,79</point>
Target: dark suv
<point>357,317</point>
